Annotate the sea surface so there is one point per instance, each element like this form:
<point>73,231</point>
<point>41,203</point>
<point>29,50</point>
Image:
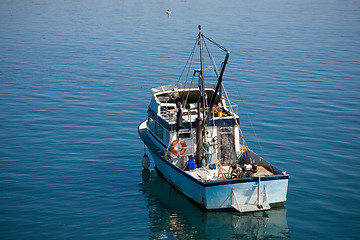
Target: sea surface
<point>74,85</point>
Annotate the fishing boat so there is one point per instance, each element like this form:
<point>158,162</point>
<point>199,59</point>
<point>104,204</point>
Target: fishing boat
<point>194,137</point>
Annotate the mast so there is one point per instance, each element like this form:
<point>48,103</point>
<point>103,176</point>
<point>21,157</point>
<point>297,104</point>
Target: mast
<point>199,122</point>
<point>202,64</point>
<point>202,83</point>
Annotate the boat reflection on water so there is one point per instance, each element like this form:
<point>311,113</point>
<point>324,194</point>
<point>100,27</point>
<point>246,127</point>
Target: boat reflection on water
<point>172,215</point>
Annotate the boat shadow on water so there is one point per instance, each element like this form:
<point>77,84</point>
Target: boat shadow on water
<point>172,215</point>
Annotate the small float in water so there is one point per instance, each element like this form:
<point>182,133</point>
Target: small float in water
<point>194,137</point>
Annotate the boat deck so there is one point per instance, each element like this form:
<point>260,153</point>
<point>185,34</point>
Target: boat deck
<point>209,175</point>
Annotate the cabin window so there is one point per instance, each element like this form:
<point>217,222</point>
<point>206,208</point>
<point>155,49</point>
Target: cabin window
<point>151,124</point>
<point>184,135</point>
<point>154,124</point>
<point>166,135</point>
<point>167,108</point>
<point>159,130</point>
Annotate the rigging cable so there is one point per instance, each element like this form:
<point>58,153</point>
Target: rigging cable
<point>231,110</point>
<point>248,115</point>
<point>215,43</point>
<point>212,60</point>
<point>190,57</point>
<point>187,96</point>
<point>187,78</point>
<point>232,114</point>
<point>188,73</point>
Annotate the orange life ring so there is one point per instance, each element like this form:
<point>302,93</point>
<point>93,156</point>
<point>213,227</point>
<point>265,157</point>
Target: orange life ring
<point>173,144</point>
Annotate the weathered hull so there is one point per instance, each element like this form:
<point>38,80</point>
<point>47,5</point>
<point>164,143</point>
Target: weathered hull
<point>216,195</point>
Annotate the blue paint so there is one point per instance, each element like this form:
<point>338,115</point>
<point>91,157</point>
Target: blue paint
<point>191,164</point>
<point>74,84</point>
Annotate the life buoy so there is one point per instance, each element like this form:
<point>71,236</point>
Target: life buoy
<point>173,144</point>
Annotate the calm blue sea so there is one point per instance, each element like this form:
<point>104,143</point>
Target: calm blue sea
<point>74,85</point>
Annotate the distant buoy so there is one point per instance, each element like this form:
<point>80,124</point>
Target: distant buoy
<point>145,161</point>
<point>168,12</point>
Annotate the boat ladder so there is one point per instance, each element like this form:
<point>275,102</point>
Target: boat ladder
<point>259,206</point>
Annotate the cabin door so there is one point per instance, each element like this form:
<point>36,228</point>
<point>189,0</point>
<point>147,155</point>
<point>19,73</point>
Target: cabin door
<point>227,145</point>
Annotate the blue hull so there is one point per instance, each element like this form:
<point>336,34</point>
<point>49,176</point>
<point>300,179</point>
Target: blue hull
<point>215,195</point>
